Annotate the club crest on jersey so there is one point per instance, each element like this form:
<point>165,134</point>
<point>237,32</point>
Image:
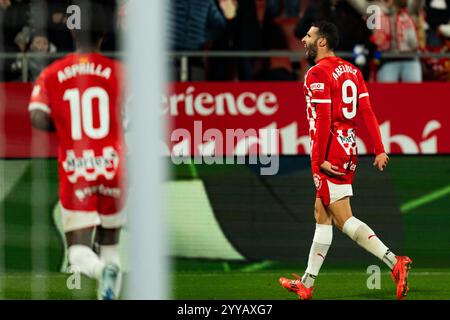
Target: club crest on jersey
<point>317,86</point>
<point>317,181</point>
<point>89,166</point>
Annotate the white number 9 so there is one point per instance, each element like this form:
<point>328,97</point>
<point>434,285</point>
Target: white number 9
<point>352,99</point>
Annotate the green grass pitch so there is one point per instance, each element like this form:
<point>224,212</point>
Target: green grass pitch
<point>229,284</point>
<point>330,285</point>
<point>197,279</point>
<point>426,241</point>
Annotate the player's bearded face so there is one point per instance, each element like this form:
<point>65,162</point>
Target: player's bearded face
<point>311,49</point>
<point>310,42</point>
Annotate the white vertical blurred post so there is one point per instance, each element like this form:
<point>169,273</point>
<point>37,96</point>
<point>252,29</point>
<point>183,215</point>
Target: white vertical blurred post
<point>145,47</point>
<point>40,228</point>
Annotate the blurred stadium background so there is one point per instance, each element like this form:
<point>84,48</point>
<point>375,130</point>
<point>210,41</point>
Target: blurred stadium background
<point>239,64</point>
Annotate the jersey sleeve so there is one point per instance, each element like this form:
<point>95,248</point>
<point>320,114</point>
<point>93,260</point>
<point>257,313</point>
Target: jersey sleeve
<point>39,98</point>
<point>368,115</point>
<point>319,91</point>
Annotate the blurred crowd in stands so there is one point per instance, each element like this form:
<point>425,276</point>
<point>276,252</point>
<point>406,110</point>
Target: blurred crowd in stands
<point>39,27</point>
<point>402,27</point>
<point>375,46</point>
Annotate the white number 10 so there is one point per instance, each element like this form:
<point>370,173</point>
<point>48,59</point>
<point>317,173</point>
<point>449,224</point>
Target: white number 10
<point>352,99</point>
<point>82,112</point>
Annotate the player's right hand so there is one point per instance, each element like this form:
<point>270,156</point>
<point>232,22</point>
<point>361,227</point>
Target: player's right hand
<point>381,161</point>
<point>329,169</point>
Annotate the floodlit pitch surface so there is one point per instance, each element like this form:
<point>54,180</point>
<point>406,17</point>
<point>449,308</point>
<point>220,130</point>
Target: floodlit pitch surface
<point>422,193</point>
<point>220,280</point>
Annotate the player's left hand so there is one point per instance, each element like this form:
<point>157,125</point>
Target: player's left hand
<point>381,161</point>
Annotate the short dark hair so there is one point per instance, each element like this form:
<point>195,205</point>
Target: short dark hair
<point>328,31</point>
<point>93,24</point>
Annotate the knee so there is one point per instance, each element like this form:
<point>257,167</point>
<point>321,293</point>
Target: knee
<point>351,227</point>
<point>339,223</point>
<point>321,216</point>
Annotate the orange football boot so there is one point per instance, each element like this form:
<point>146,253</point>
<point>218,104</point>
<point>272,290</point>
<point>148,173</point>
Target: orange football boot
<point>400,275</point>
<point>297,287</point>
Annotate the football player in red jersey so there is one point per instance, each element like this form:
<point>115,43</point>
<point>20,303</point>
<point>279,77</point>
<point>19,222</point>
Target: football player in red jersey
<point>335,92</point>
<point>80,96</point>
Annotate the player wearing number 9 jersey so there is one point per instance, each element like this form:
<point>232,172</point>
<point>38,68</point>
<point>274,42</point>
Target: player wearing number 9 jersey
<point>335,93</point>
<point>80,96</point>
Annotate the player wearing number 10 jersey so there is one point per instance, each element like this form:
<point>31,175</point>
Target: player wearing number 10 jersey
<point>335,93</point>
<point>80,96</point>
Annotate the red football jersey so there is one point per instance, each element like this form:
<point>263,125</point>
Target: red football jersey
<point>83,95</point>
<point>335,92</point>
